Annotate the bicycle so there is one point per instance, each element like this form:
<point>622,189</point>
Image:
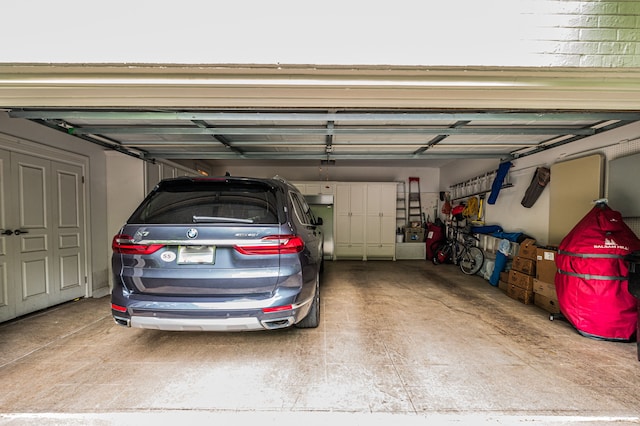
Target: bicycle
<point>462,253</point>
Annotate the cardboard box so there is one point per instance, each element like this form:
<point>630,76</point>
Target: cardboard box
<point>545,289</point>
<point>548,304</point>
<point>546,264</point>
<point>413,235</point>
<point>521,280</point>
<point>520,294</point>
<point>528,249</point>
<point>524,265</point>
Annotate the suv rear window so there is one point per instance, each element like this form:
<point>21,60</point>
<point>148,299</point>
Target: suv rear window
<point>195,201</point>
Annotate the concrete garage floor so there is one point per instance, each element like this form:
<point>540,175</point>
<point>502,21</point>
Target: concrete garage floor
<point>403,342</point>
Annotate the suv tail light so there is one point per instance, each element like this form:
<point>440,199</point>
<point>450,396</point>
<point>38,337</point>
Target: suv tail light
<point>124,244</point>
<point>274,244</point>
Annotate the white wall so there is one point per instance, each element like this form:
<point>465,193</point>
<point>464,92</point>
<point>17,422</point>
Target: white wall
<point>534,221</point>
<point>429,176</point>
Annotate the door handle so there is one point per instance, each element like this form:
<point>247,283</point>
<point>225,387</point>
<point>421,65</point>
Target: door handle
<point>20,231</point>
<point>7,232</point>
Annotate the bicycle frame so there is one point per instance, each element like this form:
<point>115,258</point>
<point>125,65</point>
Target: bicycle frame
<point>463,253</point>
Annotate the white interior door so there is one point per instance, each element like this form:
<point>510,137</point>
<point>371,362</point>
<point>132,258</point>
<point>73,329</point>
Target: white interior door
<point>68,231</point>
<point>42,260</point>
<point>7,297</point>
<point>31,187</point>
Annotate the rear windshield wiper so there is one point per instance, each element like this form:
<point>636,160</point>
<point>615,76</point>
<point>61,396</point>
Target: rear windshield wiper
<point>216,219</point>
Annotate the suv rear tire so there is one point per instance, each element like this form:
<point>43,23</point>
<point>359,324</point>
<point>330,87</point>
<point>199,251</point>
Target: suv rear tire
<point>312,320</point>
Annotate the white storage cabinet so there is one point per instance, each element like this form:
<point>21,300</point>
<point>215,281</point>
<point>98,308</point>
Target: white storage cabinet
<point>380,231</point>
<point>350,220</point>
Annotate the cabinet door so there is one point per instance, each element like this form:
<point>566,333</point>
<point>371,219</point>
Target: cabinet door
<point>301,187</point>
<point>312,189</point>
<point>388,228</point>
<point>381,198</point>
<point>381,213</point>
<point>350,220</point>
<point>388,208</point>
<point>350,207</point>
<point>357,199</point>
<point>388,201</point>
<point>343,225</point>
<point>342,208</point>
<point>343,199</point>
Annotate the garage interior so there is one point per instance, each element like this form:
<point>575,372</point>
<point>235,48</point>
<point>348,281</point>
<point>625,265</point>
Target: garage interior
<point>401,340</point>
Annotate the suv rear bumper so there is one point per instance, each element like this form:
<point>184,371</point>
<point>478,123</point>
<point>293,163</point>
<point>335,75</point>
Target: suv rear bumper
<point>218,317</point>
<point>206,324</point>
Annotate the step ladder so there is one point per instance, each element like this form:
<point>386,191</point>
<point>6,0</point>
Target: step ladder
<point>401,205</point>
<point>415,205</point>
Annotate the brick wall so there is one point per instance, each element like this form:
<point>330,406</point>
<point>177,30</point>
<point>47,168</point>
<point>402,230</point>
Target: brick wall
<point>584,33</point>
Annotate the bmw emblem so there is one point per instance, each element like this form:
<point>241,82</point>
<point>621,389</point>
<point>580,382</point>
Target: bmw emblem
<point>192,233</point>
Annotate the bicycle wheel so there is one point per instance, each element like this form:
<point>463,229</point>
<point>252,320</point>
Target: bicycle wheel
<point>471,260</point>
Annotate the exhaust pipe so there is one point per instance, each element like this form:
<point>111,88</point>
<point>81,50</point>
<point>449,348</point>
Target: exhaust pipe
<point>275,324</point>
<point>125,322</point>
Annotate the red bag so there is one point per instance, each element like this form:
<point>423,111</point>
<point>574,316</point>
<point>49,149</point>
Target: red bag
<point>592,277</point>
<point>435,237</point>
<point>458,212</point>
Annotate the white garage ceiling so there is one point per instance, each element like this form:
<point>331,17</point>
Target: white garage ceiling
<point>305,114</point>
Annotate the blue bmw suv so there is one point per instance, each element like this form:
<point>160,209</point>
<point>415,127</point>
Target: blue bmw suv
<point>219,254</point>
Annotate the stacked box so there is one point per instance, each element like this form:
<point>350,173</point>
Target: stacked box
<point>528,249</point>
<point>546,264</point>
<point>503,283</point>
<point>414,235</point>
<point>545,296</point>
<point>524,265</point>
<point>544,287</point>
<point>522,273</point>
<point>520,294</point>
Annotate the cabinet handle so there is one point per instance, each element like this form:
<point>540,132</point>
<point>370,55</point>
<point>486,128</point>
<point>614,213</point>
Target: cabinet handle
<point>20,231</point>
<point>7,232</point>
